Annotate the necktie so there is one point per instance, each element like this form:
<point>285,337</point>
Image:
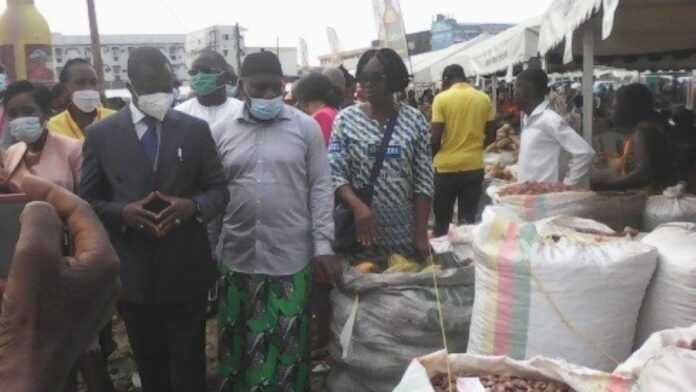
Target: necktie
<point>150,141</point>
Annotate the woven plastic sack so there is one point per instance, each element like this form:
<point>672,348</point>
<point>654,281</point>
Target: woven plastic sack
<point>670,301</point>
<point>552,289</point>
<point>661,365</point>
<point>419,373</point>
<point>382,321</point>
<point>674,205</point>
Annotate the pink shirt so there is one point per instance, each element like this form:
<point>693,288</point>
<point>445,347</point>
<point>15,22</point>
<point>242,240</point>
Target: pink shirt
<point>59,162</point>
<point>325,117</point>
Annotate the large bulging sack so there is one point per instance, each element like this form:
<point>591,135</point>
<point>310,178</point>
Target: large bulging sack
<point>561,288</point>
<point>382,321</point>
<point>420,372</point>
<point>617,210</point>
<point>670,301</point>
<point>672,206</point>
<point>664,363</point>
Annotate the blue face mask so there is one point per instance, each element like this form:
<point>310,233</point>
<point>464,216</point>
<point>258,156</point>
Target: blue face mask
<point>266,109</point>
<point>26,129</point>
<point>3,82</point>
<point>231,91</point>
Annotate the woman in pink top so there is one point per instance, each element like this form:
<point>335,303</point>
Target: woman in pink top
<point>38,152</point>
<point>319,98</point>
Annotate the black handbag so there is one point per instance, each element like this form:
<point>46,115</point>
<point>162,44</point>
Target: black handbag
<point>346,239</point>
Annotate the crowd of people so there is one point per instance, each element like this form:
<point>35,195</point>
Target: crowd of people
<point>241,186</point>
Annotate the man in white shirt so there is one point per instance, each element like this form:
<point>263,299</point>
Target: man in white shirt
<point>546,136</point>
<point>210,76</point>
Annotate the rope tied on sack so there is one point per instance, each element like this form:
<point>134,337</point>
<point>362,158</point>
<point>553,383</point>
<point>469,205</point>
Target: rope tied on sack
<point>431,261</point>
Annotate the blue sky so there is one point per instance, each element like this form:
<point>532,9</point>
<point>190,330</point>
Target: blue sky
<point>265,20</point>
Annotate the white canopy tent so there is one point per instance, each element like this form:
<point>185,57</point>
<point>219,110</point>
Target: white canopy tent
<point>631,34</point>
<point>427,67</point>
<point>513,46</point>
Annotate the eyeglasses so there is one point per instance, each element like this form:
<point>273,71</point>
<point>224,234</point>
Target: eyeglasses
<point>371,77</point>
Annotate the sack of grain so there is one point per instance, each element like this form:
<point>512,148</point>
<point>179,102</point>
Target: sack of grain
<point>421,371</point>
<point>382,321</point>
<point>670,301</point>
<point>674,205</point>
<point>562,288</point>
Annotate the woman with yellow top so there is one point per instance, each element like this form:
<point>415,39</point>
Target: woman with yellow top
<point>646,163</point>
<point>80,79</point>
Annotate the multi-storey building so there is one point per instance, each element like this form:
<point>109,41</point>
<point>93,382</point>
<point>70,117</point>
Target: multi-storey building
<point>115,53</point>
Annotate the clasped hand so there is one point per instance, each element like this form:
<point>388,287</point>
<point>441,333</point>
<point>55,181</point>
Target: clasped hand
<point>158,224</point>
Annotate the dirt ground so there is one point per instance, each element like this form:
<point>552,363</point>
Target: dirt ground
<point>122,366</point>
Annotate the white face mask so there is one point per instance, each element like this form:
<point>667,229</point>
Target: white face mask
<point>26,129</point>
<point>86,100</point>
<point>156,105</point>
<point>3,82</point>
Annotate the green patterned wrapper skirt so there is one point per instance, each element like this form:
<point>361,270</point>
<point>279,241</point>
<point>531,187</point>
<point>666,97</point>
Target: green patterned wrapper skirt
<point>263,325</point>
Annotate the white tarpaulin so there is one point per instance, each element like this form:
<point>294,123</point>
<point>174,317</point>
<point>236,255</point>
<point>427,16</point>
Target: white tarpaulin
<point>428,67</point>
<point>508,48</point>
<point>636,34</point>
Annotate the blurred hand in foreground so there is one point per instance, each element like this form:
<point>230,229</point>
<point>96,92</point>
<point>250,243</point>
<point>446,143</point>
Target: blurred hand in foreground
<point>53,306</point>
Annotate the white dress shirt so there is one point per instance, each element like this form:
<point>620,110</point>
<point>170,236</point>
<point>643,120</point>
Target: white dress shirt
<point>141,128</point>
<point>545,136</point>
<point>218,117</point>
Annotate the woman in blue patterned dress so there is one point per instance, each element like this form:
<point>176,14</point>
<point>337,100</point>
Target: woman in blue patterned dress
<point>397,219</point>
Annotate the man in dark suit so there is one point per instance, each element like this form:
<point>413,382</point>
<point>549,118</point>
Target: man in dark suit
<point>154,178</point>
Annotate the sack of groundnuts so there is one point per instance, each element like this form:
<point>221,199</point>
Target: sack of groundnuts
<point>475,373</point>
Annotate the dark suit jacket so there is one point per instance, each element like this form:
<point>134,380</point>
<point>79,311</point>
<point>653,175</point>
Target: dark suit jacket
<point>116,172</point>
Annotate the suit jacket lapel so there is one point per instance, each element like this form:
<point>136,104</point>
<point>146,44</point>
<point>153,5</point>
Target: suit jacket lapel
<point>168,149</point>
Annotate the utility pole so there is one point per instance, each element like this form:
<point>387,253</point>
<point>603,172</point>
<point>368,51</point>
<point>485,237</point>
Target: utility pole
<point>96,45</point>
<point>238,41</point>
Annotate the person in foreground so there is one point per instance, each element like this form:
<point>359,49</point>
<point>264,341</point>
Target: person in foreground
<point>45,322</point>
<point>646,159</point>
<point>53,157</point>
<point>396,219</point>
<point>546,136</point>
<point>154,178</point>
<point>278,228</point>
<point>85,107</point>
<point>460,116</point>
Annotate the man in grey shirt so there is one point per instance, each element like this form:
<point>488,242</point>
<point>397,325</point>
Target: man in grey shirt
<point>278,227</point>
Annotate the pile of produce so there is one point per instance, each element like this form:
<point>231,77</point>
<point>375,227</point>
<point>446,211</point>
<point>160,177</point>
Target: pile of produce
<point>500,172</point>
<point>536,188</point>
<point>497,383</point>
<point>505,140</point>
<point>395,263</point>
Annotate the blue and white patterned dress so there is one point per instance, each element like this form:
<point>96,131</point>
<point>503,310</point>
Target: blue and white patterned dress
<point>407,172</point>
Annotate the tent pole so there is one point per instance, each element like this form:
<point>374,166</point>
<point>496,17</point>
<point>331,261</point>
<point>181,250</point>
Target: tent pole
<point>587,81</point>
<point>495,93</point>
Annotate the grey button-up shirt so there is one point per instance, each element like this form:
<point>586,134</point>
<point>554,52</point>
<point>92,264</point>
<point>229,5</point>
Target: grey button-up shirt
<point>280,213</point>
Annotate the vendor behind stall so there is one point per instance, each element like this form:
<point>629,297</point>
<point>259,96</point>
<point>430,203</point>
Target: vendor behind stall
<point>647,161</point>
<point>546,136</point>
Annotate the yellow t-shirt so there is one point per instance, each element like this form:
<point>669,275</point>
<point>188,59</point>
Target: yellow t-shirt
<point>63,123</point>
<point>465,112</point>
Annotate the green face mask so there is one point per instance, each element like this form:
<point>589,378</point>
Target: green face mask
<point>205,83</point>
